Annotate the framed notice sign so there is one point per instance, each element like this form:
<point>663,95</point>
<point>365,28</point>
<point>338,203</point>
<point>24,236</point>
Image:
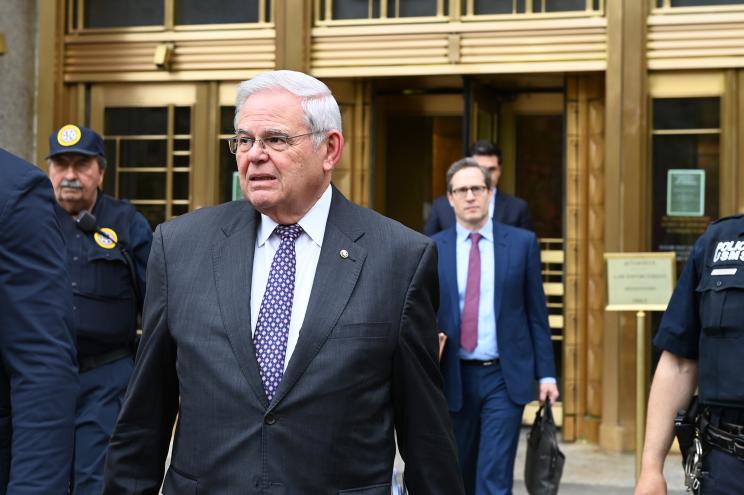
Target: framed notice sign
<point>639,281</point>
<point>685,193</point>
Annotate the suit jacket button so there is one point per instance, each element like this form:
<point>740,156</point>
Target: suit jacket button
<point>270,419</point>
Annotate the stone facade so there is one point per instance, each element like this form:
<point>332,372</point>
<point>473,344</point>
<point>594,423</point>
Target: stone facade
<point>18,23</point>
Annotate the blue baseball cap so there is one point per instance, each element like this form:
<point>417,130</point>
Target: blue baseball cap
<point>73,139</point>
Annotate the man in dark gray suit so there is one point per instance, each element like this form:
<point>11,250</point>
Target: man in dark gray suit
<point>293,333</point>
<point>503,208</point>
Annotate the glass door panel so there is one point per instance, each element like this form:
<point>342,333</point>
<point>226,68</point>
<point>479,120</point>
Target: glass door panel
<point>149,137</point>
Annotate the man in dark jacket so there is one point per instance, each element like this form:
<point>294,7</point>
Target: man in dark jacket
<point>106,259</point>
<point>38,371</point>
<point>502,208</point>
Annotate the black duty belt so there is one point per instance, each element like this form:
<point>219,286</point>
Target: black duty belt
<point>727,437</point>
<point>478,362</point>
<point>88,363</point>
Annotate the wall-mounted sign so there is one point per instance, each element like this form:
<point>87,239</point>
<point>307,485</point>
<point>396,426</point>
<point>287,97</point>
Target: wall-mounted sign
<point>685,192</point>
<point>639,281</point>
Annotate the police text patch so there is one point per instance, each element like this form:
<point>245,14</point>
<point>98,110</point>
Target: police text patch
<point>729,251</point>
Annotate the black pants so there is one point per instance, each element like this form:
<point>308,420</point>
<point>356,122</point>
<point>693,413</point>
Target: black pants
<point>723,474</point>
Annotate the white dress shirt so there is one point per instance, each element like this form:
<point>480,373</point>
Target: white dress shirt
<point>307,252</point>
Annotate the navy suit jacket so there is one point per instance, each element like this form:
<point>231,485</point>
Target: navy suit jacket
<point>522,331</point>
<point>38,368</point>
<point>507,209</point>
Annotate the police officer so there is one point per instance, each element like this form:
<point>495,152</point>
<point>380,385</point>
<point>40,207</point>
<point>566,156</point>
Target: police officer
<point>702,339</point>
<point>107,291</point>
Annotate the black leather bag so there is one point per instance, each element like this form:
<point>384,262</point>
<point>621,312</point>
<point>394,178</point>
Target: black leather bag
<point>544,464</point>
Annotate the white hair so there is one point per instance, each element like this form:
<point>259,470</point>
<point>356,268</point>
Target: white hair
<point>320,108</point>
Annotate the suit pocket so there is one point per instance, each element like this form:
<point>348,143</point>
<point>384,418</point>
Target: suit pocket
<point>362,331</point>
<point>383,489</point>
<point>179,483</point>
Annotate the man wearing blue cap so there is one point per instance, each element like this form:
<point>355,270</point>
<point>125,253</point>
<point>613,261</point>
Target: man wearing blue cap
<point>106,258</point>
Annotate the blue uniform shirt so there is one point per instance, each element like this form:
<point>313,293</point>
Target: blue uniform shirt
<point>104,306</point>
<point>705,317</point>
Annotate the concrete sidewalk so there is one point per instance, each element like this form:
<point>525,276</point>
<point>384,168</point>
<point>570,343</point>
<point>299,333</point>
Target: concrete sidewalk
<point>588,470</point>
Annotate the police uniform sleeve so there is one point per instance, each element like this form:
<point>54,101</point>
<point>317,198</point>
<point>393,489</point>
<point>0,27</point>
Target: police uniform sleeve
<point>679,331</point>
<point>140,235</point>
<point>37,344</point>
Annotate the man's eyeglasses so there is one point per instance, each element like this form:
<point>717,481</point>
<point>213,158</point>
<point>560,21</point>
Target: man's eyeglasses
<point>277,142</point>
<point>462,192</point>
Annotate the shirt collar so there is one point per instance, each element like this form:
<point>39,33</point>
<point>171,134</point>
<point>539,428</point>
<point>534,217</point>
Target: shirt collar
<point>313,223</point>
<point>486,231</point>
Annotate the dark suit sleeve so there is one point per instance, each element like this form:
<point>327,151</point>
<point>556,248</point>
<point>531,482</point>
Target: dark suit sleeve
<point>433,222</point>
<point>422,420</point>
<point>37,345</point>
<point>524,219</point>
<point>135,461</point>
<point>537,313</point>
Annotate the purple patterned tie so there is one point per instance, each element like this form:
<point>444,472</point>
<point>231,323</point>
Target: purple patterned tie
<point>272,327</point>
<point>469,322</point>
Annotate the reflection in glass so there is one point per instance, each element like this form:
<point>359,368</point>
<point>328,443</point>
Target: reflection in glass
<point>155,214</point>
<point>354,9</point>
<point>227,168</point>
<point>143,153</point>
<point>182,123</point>
<point>227,116</point>
<point>412,8</point>
<point>686,113</point>
<point>181,160</point>
<point>109,177</point>
<point>180,209</point>
<point>142,185</point>
<point>564,5</point>
<point>540,171</point>
<point>219,12</point>
<point>700,3</point>
<point>115,13</point>
<point>181,144</point>
<point>131,121</point>
<point>690,151</point>
<point>180,185</point>
<point>484,7</point>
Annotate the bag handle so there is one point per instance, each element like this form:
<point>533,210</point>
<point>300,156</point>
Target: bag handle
<point>548,414</point>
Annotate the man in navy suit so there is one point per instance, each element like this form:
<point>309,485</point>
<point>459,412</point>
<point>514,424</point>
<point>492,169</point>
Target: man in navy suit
<point>38,368</point>
<point>492,309</point>
<point>502,207</point>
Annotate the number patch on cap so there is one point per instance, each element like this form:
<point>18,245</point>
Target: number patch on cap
<point>69,135</point>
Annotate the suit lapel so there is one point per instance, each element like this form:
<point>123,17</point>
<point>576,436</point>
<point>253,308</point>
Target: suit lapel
<point>500,265</point>
<point>232,260</point>
<point>335,279</point>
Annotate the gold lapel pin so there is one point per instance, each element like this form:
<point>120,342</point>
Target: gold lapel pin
<point>343,253</point>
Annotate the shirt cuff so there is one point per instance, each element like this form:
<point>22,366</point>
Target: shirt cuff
<point>548,380</point>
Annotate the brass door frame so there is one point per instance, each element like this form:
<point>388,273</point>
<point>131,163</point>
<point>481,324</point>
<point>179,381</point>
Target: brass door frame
<point>202,173</point>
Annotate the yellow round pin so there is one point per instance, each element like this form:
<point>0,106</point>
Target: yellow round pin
<point>69,135</point>
<point>106,242</point>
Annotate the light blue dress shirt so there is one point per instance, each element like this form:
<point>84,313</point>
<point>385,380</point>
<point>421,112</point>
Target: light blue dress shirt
<point>486,348</point>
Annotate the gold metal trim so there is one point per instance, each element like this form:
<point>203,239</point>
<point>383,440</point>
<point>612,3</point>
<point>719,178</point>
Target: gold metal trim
<point>683,132</point>
<point>689,84</point>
